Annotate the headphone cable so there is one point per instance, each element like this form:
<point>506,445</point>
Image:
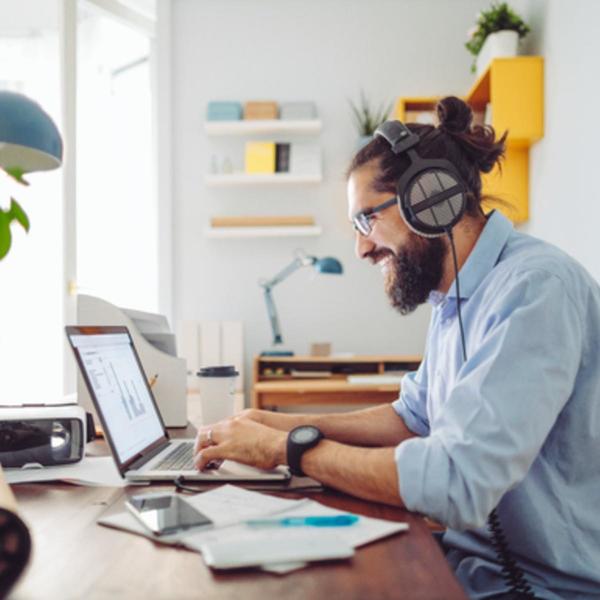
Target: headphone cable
<point>511,572</point>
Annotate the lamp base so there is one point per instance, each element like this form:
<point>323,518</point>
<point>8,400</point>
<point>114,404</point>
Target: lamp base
<point>277,353</point>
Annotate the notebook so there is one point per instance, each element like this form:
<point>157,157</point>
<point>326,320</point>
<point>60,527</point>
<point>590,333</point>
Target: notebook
<point>134,429</point>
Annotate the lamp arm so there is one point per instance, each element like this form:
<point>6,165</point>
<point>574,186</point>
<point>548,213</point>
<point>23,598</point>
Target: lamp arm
<point>273,319</point>
<point>298,262</point>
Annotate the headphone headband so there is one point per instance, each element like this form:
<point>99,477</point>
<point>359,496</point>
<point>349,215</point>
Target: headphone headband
<point>398,136</point>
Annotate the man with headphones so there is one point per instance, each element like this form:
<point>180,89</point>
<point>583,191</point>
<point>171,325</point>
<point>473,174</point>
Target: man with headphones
<point>497,434</point>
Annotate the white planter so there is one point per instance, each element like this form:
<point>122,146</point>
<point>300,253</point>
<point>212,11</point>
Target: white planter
<point>496,45</point>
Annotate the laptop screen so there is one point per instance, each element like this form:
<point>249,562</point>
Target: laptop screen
<point>122,394</point>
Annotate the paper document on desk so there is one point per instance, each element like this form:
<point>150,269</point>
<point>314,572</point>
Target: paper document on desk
<point>91,470</point>
<point>229,506</point>
<point>225,506</point>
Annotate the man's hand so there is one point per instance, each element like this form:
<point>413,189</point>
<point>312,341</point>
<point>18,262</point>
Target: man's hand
<point>253,414</point>
<point>241,439</point>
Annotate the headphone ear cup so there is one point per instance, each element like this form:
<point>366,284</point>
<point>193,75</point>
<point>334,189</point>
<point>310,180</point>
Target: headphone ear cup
<point>432,201</point>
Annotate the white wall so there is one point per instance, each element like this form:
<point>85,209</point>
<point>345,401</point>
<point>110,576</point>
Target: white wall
<point>565,202</point>
<point>287,50</point>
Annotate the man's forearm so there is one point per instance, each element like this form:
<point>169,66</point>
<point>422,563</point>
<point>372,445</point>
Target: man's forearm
<point>368,473</point>
<point>377,426</point>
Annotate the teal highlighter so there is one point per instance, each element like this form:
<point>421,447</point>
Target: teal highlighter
<point>334,521</point>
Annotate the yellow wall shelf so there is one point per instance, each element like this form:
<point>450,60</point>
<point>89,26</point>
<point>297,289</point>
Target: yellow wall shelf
<point>513,88</point>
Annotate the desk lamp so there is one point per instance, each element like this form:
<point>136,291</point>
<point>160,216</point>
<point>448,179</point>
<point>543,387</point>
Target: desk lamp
<point>29,141</point>
<point>326,265</point>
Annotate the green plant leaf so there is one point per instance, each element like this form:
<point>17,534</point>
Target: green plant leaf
<point>18,214</point>
<point>17,174</point>
<point>499,17</point>
<point>5,235</point>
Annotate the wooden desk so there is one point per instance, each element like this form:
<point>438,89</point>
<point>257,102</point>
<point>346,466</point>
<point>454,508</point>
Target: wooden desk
<point>75,558</point>
<point>310,380</point>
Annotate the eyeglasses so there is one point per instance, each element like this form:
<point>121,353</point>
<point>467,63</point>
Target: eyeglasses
<point>361,221</point>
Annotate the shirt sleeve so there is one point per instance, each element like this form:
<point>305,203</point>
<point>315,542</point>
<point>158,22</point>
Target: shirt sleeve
<point>504,403</point>
<point>411,406</point>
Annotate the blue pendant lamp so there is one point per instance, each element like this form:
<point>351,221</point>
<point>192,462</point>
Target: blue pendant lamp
<point>29,141</point>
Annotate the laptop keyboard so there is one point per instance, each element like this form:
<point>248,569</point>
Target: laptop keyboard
<point>181,458</point>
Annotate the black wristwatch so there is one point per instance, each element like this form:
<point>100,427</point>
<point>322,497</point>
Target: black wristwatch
<point>300,440</point>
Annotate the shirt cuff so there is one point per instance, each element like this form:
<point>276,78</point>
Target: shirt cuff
<point>423,485</point>
<point>411,419</point>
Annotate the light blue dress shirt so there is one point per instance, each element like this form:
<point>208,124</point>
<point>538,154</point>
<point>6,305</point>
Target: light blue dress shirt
<point>517,425</point>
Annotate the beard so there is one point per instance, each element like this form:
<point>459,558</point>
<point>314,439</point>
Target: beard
<point>415,271</point>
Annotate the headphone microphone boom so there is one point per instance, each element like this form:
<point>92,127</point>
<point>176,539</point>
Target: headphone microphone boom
<point>431,193</point>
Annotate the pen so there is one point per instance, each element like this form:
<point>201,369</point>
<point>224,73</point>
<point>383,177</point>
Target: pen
<point>336,521</point>
<point>153,380</point>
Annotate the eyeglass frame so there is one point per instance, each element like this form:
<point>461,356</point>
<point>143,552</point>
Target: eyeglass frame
<point>361,221</point>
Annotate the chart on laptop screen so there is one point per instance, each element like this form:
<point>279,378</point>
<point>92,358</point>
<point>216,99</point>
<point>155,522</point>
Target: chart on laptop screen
<point>120,390</point>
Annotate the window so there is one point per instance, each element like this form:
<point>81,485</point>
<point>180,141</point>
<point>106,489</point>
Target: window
<point>117,212</point>
<point>31,275</point>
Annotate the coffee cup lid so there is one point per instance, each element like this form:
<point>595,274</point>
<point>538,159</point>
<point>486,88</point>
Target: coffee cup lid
<point>224,371</point>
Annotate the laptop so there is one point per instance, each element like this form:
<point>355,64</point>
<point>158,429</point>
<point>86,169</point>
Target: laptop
<point>138,440</point>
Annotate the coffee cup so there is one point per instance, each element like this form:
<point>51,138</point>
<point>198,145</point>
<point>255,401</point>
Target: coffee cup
<point>217,392</point>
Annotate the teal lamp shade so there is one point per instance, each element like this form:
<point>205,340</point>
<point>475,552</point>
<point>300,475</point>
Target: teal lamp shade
<point>29,139</point>
<point>329,265</point>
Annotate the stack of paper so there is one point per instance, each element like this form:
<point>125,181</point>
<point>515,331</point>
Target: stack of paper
<point>91,470</point>
<point>230,506</point>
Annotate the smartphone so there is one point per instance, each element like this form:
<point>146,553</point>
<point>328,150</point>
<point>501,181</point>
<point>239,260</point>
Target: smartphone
<point>163,514</point>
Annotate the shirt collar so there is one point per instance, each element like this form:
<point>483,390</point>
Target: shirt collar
<point>482,258</point>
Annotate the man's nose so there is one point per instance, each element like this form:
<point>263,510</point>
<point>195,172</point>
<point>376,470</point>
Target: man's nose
<point>362,246</point>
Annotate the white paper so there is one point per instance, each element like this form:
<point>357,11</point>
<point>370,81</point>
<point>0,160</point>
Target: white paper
<point>229,506</point>
<point>91,470</point>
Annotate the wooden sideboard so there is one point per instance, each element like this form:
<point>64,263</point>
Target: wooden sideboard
<point>328,380</point>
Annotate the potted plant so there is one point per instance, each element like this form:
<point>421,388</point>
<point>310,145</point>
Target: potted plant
<point>368,119</point>
<point>497,33</point>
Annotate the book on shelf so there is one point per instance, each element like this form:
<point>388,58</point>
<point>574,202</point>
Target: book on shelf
<point>260,157</point>
<point>263,221</point>
<point>282,158</point>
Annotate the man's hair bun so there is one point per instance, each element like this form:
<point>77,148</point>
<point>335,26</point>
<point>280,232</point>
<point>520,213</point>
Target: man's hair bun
<point>472,148</point>
<point>454,115</point>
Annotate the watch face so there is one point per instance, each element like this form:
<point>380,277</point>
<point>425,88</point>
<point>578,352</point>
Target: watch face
<point>304,435</point>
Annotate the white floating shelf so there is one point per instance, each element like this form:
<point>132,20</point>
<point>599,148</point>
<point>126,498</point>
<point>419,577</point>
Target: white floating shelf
<point>257,126</point>
<point>255,232</point>
<point>257,178</point>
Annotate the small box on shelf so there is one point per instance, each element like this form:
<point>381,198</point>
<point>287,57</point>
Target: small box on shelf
<point>297,111</point>
<point>223,111</point>
<point>261,110</point>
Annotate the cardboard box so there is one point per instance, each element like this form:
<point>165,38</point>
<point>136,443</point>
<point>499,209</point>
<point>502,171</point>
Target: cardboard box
<point>260,110</point>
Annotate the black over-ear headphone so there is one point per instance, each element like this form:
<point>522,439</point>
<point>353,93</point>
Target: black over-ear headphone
<point>431,193</point>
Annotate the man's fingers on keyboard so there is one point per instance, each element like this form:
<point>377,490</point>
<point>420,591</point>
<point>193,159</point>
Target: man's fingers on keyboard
<point>201,440</point>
